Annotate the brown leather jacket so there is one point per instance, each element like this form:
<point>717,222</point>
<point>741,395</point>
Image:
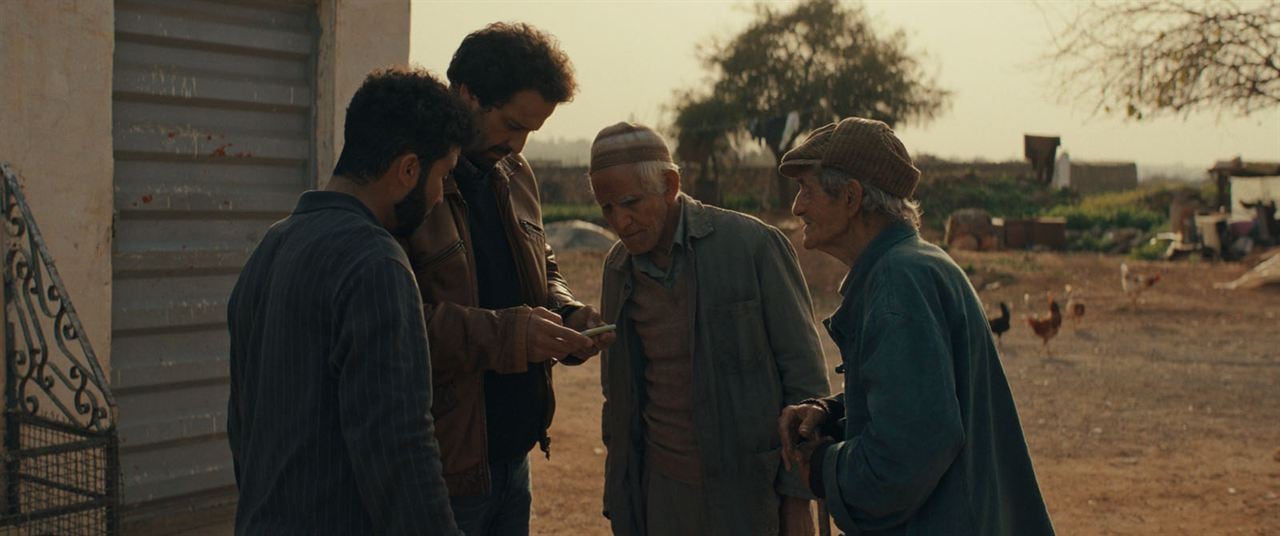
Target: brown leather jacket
<point>467,340</point>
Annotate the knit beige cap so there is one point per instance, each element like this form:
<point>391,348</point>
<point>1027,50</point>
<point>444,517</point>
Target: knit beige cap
<point>864,148</point>
<point>627,143</point>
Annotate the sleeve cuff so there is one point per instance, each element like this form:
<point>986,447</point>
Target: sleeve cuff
<point>567,310</point>
<point>831,486</point>
<point>815,470</point>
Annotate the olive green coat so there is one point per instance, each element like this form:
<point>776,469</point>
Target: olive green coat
<point>755,349</point>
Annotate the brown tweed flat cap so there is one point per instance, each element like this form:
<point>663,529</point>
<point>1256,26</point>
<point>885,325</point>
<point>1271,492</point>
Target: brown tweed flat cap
<point>627,143</point>
<point>864,148</point>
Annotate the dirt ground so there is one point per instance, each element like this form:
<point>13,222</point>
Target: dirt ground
<point>1160,420</point>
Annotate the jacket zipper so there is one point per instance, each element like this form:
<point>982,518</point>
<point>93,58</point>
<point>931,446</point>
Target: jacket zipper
<point>527,284</point>
<point>460,223</point>
<point>529,226</point>
<point>449,251</point>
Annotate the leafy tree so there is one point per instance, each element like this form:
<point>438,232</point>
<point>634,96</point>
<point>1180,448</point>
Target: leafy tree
<point>708,150</point>
<point>1159,57</point>
<point>820,58</point>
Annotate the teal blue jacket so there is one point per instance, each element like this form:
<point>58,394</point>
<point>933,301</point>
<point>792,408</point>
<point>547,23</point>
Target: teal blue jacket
<point>931,439</point>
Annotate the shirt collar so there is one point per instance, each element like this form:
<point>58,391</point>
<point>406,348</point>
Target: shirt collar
<point>674,252</point>
<point>679,238</point>
<point>466,171</point>
<point>314,200</point>
<point>892,235</point>
<point>694,223</point>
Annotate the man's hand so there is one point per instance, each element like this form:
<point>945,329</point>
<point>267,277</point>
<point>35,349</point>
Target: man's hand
<point>803,453</point>
<point>795,517</point>
<point>549,339</point>
<point>796,424</point>
<point>586,318</point>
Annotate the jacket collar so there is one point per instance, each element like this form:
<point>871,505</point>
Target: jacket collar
<point>892,235</point>
<point>314,200</point>
<point>466,170</point>
<point>697,224</point>
<point>696,217</point>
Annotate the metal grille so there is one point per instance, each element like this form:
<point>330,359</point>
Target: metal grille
<point>61,459</point>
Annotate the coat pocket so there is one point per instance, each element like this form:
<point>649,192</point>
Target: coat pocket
<point>442,274</point>
<point>432,259</point>
<point>762,495</point>
<point>737,335</point>
<point>532,228</point>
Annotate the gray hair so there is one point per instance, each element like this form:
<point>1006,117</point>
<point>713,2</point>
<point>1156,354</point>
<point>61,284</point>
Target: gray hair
<point>874,199</point>
<point>652,178</point>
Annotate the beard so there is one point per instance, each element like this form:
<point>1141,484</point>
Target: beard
<point>412,211</point>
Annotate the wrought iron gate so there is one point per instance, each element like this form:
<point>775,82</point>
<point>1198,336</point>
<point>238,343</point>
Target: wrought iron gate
<point>61,449</point>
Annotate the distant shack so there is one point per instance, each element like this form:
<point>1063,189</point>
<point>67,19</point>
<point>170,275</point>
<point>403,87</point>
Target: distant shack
<point>1245,182</point>
<point>1096,177</point>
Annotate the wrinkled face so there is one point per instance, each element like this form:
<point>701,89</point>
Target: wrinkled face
<point>425,195</point>
<point>826,218</point>
<point>635,214</point>
<point>503,130</point>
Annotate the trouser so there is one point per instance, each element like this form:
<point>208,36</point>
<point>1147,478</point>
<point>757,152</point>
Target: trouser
<point>505,510</point>
<point>674,508</point>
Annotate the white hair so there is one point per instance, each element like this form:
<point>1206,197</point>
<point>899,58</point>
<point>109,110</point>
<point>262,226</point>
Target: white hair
<point>874,199</point>
<point>652,175</point>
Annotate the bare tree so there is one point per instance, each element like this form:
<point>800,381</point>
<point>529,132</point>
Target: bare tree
<point>1160,57</point>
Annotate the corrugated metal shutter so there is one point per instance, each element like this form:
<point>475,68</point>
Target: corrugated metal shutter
<point>212,122</point>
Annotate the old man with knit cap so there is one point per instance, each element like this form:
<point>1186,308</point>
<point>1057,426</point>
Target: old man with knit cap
<point>715,336</point>
<point>925,438</point>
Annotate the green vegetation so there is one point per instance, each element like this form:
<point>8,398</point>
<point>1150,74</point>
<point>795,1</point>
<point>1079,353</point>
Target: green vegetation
<point>748,203</point>
<point>1110,222</point>
<point>1084,217</point>
<point>1001,196</point>
<point>1150,251</point>
<point>560,212</point>
<point>1145,208</point>
<point>1095,223</point>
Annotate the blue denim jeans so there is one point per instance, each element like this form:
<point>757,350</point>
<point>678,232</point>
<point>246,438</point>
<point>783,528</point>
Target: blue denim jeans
<point>505,510</point>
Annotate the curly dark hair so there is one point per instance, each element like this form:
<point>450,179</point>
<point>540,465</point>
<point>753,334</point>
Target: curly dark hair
<point>503,59</point>
<point>396,111</point>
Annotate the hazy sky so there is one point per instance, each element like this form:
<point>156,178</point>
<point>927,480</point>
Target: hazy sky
<point>631,56</point>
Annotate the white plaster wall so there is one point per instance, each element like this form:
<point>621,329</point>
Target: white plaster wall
<point>55,131</point>
<point>357,36</point>
<point>1250,189</point>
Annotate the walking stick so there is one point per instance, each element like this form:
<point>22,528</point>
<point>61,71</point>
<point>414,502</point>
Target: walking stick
<point>824,519</point>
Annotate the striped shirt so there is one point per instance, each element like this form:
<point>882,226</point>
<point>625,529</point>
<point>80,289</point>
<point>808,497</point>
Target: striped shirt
<point>329,418</point>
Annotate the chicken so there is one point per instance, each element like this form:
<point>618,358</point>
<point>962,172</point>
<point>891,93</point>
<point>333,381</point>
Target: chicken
<point>1047,328</point>
<point>1134,283</point>
<point>1075,306</point>
<point>1000,324</point>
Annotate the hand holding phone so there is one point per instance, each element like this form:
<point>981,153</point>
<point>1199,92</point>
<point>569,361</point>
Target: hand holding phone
<point>598,330</point>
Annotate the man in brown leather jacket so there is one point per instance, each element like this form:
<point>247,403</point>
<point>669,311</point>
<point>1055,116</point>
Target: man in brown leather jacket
<point>498,311</point>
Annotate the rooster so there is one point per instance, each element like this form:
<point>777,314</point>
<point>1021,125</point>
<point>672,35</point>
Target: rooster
<point>1134,283</point>
<point>1000,324</point>
<point>1047,328</point>
<point>1075,307</point>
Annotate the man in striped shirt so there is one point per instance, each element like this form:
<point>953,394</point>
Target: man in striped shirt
<point>329,417</point>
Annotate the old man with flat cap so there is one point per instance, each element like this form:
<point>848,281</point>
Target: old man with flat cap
<point>925,437</point>
<point>715,336</point>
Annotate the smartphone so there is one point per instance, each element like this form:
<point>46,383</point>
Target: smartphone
<point>599,330</point>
